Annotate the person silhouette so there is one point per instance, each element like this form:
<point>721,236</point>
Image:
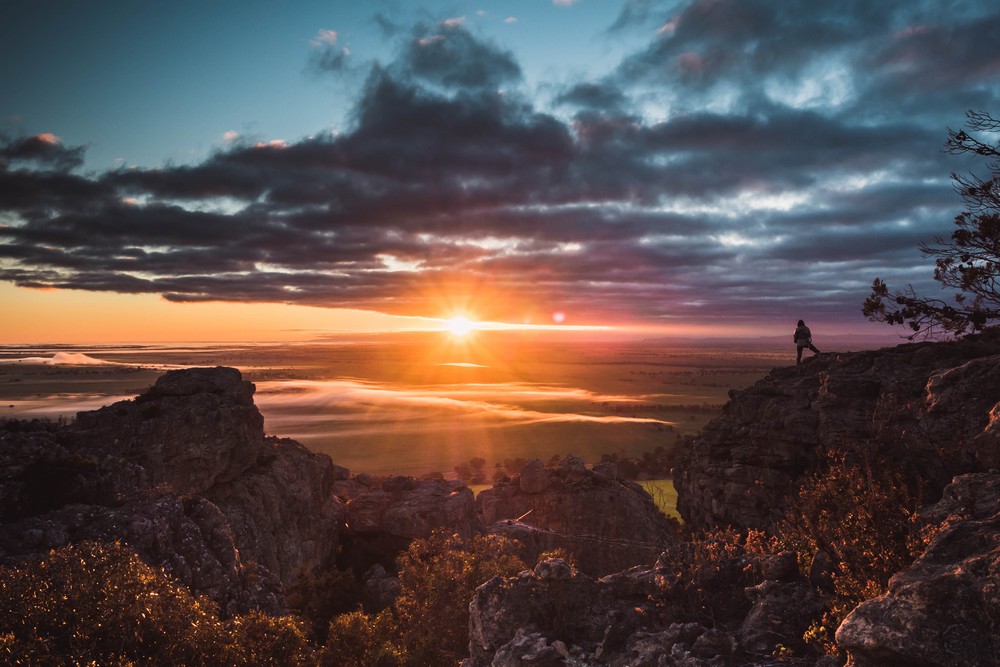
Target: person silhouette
<point>803,338</point>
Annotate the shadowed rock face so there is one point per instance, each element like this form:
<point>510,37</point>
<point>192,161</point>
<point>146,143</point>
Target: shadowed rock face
<point>945,608</point>
<point>932,402</point>
<point>184,475</point>
<point>607,524</point>
<point>557,615</point>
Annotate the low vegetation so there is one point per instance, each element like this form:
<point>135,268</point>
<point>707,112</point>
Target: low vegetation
<point>98,604</point>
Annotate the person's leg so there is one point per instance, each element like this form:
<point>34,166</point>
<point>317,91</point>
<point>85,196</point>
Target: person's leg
<point>798,354</point>
<point>813,348</point>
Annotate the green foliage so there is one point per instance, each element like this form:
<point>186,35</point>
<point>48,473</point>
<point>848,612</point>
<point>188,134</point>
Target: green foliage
<point>262,640</point>
<point>99,604</point>
<point>357,639</point>
<point>438,577</point>
<point>429,622</point>
<point>968,262</point>
<point>861,514</point>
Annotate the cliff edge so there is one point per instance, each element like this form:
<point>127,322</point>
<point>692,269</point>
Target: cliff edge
<point>933,407</point>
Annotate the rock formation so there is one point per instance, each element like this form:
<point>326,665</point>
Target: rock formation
<point>606,523</point>
<point>557,615</point>
<point>931,403</point>
<point>184,475</point>
<point>945,608</point>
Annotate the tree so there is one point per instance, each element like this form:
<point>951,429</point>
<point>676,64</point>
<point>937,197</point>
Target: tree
<point>968,261</point>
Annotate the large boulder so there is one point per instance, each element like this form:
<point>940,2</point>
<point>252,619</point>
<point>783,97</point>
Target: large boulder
<point>933,404</point>
<point>606,523</point>
<point>945,608</point>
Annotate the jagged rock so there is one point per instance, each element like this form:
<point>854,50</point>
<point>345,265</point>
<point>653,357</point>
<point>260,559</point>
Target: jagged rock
<point>934,401</point>
<point>406,507</point>
<point>380,590</point>
<point>619,621</point>
<point>283,512</point>
<point>945,608</point>
<point>193,429</point>
<point>533,477</point>
<point>552,603</point>
<point>232,508</point>
<point>781,614</point>
<point>188,537</point>
<point>531,649</point>
<point>607,524</point>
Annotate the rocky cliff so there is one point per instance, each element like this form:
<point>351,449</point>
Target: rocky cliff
<point>931,409</point>
<point>930,406</point>
<point>184,475</point>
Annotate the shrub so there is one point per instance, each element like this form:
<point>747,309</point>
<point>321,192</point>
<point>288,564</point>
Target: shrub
<point>97,604</point>
<point>357,639</point>
<point>861,514</point>
<point>94,603</point>
<point>429,622</point>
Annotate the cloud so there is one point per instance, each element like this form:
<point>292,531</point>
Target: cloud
<point>325,38</point>
<point>755,160</point>
<point>44,150</point>
<point>454,58</point>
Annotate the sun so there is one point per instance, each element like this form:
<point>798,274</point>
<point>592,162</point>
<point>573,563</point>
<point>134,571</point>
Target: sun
<point>459,326</point>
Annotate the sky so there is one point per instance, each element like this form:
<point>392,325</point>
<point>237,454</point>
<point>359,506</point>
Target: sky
<point>258,170</point>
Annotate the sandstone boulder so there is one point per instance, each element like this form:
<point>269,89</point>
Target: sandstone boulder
<point>184,475</point>
<point>407,508</point>
<point>193,429</point>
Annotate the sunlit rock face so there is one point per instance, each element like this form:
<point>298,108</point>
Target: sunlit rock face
<point>184,475</point>
<point>606,523</point>
<point>943,609</point>
<point>932,403</point>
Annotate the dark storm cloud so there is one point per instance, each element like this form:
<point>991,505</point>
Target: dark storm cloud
<point>42,150</point>
<point>449,56</point>
<point>754,159</point>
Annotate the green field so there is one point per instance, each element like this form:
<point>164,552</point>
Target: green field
<point>664,495</point>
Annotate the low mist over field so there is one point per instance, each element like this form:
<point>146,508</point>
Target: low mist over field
<point>421,403</point>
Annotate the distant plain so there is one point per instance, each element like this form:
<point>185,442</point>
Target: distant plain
<point>420,403</point>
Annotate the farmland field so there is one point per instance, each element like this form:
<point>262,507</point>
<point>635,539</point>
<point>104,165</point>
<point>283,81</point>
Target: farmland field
<point>420,403</point>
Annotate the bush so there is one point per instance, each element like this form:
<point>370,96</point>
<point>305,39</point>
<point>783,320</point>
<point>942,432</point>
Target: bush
<point>429,622</point>
<point>861,514</point>
<point>357,639</point>
<point>91,603</point>
<point>97,604</point>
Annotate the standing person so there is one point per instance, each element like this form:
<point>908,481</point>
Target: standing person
<point>803,338</point>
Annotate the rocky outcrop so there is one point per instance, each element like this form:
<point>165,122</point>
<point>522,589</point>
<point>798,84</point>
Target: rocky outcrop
<point>192,430</point>
<point>933,404</point>
<point>184,475</point>
<point>945,608</point>
<point>557,615</point>
<point>187,536</point>
<point>407,507</point>
<point>606,523</point>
